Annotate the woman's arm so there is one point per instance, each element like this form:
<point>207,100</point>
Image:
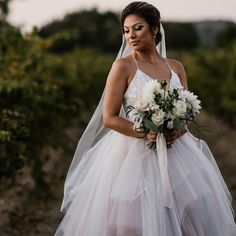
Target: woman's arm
<point>116,86</point>
<point>182,75</point>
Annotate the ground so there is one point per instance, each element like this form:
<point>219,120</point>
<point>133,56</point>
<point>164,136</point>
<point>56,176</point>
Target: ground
<point>26,212</point>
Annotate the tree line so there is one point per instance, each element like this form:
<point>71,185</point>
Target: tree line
<point>91,28</point>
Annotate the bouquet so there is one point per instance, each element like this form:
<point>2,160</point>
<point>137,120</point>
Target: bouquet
<point>163,109</point>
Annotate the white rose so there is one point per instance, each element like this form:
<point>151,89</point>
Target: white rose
<point>142,105</point>
<point>180,108</point>
<point>158,117</point>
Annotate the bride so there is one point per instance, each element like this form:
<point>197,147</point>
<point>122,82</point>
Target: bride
<point>115,184</point>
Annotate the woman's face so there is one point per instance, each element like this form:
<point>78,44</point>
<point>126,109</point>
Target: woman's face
<point>137,33</point>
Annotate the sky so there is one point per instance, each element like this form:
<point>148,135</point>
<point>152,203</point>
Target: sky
<point>29,13</point>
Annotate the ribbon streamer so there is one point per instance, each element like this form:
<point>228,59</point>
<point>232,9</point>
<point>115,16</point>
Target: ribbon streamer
<point>162,158</point>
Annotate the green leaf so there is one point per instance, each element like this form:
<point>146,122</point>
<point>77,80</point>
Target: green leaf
<point>150,125</point>
<point>177,123</point>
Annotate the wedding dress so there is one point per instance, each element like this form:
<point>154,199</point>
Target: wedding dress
<point>120,194</point>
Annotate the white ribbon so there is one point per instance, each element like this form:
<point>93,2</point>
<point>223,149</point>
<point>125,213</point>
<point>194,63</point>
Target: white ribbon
<point>162,158</point>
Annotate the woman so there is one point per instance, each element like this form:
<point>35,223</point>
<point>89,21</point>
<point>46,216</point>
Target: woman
<point>116,188</point>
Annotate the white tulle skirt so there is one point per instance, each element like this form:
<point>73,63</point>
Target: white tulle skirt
<point>120,194</point>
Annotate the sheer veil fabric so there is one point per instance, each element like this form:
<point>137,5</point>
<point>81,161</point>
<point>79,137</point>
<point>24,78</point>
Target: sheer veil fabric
<point>96,130</point>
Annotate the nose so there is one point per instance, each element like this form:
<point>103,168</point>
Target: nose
<point>132,34</point>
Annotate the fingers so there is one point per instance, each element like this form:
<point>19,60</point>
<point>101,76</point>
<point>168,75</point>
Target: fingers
<point>170,139</point>
<point>152,132</point>
<point>151,136</point>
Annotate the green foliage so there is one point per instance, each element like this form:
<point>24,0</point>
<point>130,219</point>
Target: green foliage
<point>90,28</point>
<point>181,35</point>
<point>227,36</point>
<point>13,136</point>
<point>50,93</point>
<point>85,29</point>
<point>212,75</point>
<point>102,31</point>
<point>63,41</point>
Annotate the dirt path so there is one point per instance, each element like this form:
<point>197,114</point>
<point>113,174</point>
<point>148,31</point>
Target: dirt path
<point>25,212</point>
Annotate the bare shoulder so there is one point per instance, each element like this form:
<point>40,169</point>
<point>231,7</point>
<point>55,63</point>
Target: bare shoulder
<point>176,65</point>
<point>123,64</point>
<point>122,68</point>
<point>179,70</point>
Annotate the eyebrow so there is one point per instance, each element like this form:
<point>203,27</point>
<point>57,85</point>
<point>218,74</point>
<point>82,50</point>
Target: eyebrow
<point>133,25</point>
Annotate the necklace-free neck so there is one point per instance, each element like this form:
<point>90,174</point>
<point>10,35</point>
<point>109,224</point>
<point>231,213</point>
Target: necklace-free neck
<point>148,58</point>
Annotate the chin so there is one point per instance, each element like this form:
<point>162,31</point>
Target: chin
<point>137,48</point>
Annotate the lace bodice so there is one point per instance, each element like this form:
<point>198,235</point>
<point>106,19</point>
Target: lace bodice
<point>136,85</point>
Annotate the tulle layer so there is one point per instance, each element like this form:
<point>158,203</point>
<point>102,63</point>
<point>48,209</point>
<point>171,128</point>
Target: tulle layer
<point>118,192</point>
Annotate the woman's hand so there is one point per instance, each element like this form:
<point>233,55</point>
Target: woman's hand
<point>151,136</point>
<point>170,139</point>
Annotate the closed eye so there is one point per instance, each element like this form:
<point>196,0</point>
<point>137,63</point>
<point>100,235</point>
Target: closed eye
<point>136,27</point>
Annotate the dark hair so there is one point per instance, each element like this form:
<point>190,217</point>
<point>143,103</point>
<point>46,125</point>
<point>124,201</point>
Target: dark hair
<point>145,10</point>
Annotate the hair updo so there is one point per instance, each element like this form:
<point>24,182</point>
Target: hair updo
<point>145,10</point>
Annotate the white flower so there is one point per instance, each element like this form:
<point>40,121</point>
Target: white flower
<point>192,101</point>
<point>154,106</point>
<point>180,108</point>
<point>171,91</point>
<point>170,116</point>
<point>162,92</point>
<point>182,94</point>
<point>158,117</point>
<point>170,124</point>
<point>142,105</point>
<point>148,90</point>
<point>157,87</point>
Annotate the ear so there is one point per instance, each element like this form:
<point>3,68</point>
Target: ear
<point>155,29</point>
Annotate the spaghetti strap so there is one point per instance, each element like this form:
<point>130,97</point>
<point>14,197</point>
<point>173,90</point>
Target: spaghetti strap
<point>136,63</point>
<point>168,66</point>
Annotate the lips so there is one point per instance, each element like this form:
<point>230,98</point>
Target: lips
<point>134,42</point>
